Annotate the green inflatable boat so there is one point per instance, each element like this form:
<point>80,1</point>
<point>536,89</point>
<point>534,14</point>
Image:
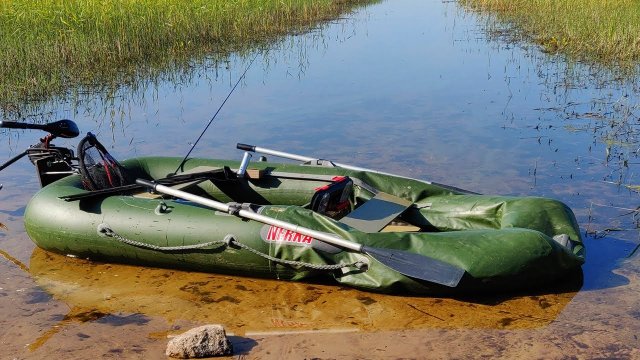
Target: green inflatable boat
<point>315,221</point>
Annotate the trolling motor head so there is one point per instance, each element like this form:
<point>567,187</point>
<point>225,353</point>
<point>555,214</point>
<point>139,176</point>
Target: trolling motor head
<point>61,128</point>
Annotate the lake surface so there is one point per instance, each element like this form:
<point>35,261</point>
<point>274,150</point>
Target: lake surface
<point>411,87</point>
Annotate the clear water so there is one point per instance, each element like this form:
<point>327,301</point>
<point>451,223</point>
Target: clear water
<point>406,86</point>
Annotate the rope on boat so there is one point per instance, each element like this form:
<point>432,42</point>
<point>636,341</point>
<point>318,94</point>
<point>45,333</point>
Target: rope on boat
<point>357,264</point>
<point>105,230</point>
<point>229,240</point>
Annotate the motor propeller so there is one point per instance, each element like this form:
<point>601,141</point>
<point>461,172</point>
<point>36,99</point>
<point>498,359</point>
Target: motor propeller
<point>61,128</point>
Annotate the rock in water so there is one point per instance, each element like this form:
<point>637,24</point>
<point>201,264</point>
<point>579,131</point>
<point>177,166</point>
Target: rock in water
<point>203,341</point>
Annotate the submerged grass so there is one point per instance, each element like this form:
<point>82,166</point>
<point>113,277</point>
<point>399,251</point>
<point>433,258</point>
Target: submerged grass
<point>600,30</point>
<point>604,33</point>
<point>49,45</point>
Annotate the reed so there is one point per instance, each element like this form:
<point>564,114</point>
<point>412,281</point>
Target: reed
<point>50,45</point>
<point>600,30</point>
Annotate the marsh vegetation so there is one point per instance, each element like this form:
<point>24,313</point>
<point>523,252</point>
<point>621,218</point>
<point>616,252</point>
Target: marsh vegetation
<point>48,46</point>
<point>606,31</point>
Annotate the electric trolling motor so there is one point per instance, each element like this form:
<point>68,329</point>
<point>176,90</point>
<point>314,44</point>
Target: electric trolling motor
<point>52,162</point>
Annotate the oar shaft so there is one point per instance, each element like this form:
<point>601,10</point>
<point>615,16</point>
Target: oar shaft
<point>286,155</point>
<point>334,240</point>
<point>276,153</point>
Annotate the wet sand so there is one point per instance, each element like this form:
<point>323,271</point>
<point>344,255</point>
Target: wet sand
<point>60,307</point>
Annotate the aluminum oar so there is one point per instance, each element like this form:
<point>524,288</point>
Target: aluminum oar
<point>286,155</point>
<point>308,159</point>
<point>410,264</point>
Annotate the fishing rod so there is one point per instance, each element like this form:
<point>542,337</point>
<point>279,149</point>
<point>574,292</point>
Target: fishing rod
<point>216,114</point>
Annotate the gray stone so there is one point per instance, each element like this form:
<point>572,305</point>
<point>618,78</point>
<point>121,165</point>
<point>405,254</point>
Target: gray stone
<point>203,341</point>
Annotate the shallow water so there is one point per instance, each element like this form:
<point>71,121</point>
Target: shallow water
<point>407,86</point>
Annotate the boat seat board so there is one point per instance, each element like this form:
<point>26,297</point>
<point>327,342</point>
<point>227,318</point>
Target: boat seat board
<point>400,228</point>
<point>375,214</point>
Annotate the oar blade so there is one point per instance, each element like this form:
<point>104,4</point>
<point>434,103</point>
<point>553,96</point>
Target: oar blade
<point>418,266</point>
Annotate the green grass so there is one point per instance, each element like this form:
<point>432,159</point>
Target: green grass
<point>47,46</point>
<point>606,31</point>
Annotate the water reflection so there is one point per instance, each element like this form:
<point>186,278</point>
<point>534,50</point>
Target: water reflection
<point>601,272</point>
<point>250,306</point>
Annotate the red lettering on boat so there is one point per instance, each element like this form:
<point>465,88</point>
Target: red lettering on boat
<point>277,234</point>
